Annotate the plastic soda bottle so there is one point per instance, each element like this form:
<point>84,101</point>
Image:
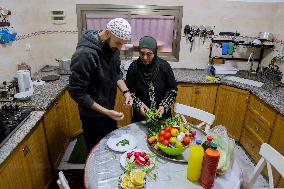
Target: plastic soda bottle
<point>210,164</point>
<point>195,160</point>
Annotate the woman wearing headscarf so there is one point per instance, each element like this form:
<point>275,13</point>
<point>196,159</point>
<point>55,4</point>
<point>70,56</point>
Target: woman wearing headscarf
<point>151,81</point>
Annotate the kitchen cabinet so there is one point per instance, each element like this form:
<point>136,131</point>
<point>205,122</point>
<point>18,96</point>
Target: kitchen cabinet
<point>281,183</point>
<point>277,139</point>
<point>13,173</point>
<point>73,117</point>
<point>197,95</point>
<point>56,130</point>
<point>28,166</point>
<point>259,123</point>
<point>120,107</point>
<point>263,111</point>
<point>230,109</point>
<point>34,155</point>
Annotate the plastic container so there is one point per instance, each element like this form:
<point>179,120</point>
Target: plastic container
<point>207,143</point>
<point>209,168</point>
<point>195,160</point>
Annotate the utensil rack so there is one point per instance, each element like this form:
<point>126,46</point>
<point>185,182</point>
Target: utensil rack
<point>239,43</point>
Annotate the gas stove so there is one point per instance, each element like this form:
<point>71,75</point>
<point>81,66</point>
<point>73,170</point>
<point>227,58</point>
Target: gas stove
<point>11,118</point>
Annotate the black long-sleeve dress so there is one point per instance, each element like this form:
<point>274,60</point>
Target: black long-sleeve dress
<point>162,90</point>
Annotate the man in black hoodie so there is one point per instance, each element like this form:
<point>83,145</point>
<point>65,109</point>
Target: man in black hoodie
<point>96,73</point>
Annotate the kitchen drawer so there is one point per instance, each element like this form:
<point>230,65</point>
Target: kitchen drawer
<point>251,144</point>
<point>265,113</point>
<point>257,128</point>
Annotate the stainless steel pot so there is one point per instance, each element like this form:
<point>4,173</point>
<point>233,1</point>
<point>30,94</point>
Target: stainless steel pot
<point>265,36</point>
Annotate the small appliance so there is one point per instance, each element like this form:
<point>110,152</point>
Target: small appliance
<point>24,81</point>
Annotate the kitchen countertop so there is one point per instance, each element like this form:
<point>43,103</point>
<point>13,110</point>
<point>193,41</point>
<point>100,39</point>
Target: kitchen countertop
<point>45,94</point>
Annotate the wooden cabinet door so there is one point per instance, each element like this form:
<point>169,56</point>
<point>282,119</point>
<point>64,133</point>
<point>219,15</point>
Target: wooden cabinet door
<point>277,139</point>
<point>56,131</point>
<point>120,107</point>
<point>13,173</point>
<point>73,117</point>
<point>51,133</point>
<point>206,97</point>
<point>230,109</point>
<point>63,130</point>
<point>186,94</point>
<point>34,156</point>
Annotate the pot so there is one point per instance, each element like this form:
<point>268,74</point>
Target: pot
<point>265,36</point>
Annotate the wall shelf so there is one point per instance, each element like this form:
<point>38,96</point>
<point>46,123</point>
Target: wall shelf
<point>241,43</point>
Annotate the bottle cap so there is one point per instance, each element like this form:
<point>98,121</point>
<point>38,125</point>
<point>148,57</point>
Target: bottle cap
<point>198,141</point>
<point>209,138</point>
<point>214,145</point>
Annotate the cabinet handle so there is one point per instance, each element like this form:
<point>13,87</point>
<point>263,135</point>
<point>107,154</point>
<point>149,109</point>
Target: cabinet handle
<point>26,150</point>
<point>256,128</point>
<point>261,109</point>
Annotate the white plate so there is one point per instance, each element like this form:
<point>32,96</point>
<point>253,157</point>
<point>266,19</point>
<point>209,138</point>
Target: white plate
<point>123,157</point>
<point>113,141</point>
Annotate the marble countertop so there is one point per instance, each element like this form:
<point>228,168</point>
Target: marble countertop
<point>45,94</point>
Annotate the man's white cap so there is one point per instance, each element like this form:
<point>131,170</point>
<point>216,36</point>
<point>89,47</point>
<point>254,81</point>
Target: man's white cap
<point>120,28</point>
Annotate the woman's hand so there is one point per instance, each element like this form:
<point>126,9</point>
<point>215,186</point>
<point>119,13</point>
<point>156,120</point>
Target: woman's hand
<point>115,115</point>
<point>143,109</point>
<point>161,110</point>
<point>128,99</point>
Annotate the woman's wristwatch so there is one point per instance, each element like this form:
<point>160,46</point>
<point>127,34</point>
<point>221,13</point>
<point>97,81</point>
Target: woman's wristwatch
<point>124,92</point>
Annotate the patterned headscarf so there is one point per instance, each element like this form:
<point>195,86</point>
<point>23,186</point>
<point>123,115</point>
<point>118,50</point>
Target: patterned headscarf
<point>120,28</point>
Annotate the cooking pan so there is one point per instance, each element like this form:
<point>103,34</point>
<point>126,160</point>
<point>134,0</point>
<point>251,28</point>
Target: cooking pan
<point>265,36</point>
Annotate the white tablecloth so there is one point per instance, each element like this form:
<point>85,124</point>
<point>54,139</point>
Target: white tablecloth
<point>103,169</point>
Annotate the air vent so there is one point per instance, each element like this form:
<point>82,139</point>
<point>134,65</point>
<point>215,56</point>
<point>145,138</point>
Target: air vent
<point>57,16</point>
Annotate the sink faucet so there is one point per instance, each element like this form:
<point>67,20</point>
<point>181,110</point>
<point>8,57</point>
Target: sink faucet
<point>250,60</point>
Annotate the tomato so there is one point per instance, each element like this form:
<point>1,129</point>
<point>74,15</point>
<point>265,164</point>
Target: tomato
<point>162,133</point>
<point>161,138</point>
<point>165,142</point>
<point>186,140</point>
<point>168,128</point>
<point>168,135</point>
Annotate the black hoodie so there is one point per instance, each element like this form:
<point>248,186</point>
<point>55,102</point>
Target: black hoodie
<point>95,72</point>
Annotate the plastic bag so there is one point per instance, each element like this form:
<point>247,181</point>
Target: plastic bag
<point>225,147</point>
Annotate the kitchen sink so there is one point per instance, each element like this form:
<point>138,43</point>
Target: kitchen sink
<point>244,81</point>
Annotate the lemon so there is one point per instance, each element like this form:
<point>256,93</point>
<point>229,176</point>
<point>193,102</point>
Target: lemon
<point>124,185</point>
<point>130,185</point>
<point>139,186</point>
<point>125,178</point>
<point>137,178</point>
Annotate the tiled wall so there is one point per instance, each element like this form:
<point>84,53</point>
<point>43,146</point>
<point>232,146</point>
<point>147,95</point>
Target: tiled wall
<point>32,16</point>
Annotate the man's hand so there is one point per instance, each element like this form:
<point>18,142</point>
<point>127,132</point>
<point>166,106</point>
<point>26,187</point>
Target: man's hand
<point>128,99</point>
<point>143,109</point>
<point>115,115</point>
<point>161,110</point>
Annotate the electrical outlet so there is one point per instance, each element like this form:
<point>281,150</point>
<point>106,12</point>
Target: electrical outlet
<point>28,47</point>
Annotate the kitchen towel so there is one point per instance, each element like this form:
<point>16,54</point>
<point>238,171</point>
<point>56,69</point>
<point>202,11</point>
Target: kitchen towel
<point>231,48</point>
<point>225,48</point>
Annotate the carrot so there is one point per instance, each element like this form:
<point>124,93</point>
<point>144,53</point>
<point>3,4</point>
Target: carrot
<point>152,139</point>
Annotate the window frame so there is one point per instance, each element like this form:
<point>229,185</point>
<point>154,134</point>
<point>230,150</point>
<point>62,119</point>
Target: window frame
<point>177,11</point>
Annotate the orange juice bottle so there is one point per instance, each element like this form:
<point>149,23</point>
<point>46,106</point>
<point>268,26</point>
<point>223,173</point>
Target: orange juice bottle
<point>195,160</point>
<point>210,164</point>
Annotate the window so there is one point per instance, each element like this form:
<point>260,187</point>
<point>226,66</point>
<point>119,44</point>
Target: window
<point>161,22</point>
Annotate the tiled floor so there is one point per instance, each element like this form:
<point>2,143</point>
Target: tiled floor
<point>245,162</point>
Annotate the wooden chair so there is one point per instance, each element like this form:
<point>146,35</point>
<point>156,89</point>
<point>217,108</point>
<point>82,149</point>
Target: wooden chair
<point>62,182</point>
<point>269,157</point>
<point>206,118</point>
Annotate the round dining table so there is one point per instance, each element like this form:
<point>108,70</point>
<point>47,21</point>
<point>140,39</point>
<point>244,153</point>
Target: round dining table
<point>103,169</point>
